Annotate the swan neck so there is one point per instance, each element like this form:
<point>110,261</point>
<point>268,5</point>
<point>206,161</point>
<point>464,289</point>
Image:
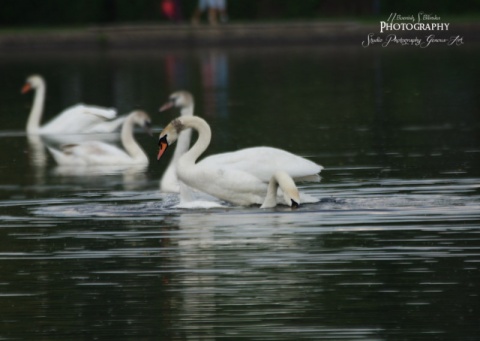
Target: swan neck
<point>183,143</point>
<point>128,140</point>
<point>203,140</point>
<point>184,138</point>
<point>169,179</point>
<point>271,197</point>
<point>187,111</point>
<point>33,123</point>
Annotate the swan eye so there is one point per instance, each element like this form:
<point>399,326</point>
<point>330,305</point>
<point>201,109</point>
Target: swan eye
<point>162,141</point>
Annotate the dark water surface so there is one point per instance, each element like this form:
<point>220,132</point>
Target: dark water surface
<point>391,251</point>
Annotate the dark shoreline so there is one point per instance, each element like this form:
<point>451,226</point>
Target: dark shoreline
<point>184,35</point>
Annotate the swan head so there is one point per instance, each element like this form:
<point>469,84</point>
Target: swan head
<point>178,99</point>
<point>141,119</point>
<point>291,195</point>
<point>294,204</point>
<point>32,82</point>
<point>168,136</point>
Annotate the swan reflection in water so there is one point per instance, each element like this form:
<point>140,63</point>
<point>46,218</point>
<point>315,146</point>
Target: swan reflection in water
<point>219,253</point>
<point>132,176</point>
<point>38,144</point>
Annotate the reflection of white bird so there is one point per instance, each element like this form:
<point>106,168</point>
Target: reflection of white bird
<point>184,101</point>
<point>101,153</point>
<point>261,162</point>
<point>222,181</point>
<point>79,118</point>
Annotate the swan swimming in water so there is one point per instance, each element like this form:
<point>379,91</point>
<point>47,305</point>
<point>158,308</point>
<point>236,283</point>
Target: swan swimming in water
<point>224,182</point>
<point>91,153</point>
<point>251,160</point>
<point>79,118</point>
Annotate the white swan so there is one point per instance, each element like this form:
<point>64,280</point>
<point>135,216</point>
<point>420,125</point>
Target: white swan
<point>184,101</point>
<point>101,153</point>
<point>79,118</point>
<point>224,182</point>
<point>251,160</point>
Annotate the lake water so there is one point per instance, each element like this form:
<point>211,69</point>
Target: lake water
<point>391,251</point>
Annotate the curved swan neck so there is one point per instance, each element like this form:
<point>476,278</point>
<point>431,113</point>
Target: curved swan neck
<point>183,143</point>
<point>286,183</point>
<point>271,197</point>
<point>204,138</point>
<point>184,138</point>
<point>33,123</point>
<point>128,141</point>
<point>169,181</point>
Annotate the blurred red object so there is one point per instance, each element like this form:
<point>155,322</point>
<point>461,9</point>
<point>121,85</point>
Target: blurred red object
<point>168,9</point>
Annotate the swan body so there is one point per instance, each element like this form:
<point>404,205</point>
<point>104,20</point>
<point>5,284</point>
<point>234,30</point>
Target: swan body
<point>226,183</point>
<point>79,118</point>
<point>183,100</point>
<point>101,153</point>
<point>262,162</point>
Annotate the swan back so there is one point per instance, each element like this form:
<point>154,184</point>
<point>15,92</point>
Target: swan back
<point>79,118</point>
<point>264,161</point>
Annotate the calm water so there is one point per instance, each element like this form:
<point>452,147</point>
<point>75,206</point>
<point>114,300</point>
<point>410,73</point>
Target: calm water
<point>391,251</point>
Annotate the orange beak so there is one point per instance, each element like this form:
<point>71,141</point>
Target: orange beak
<point>162,146</point>
<point>166,106</point>
<point>26,88</point>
